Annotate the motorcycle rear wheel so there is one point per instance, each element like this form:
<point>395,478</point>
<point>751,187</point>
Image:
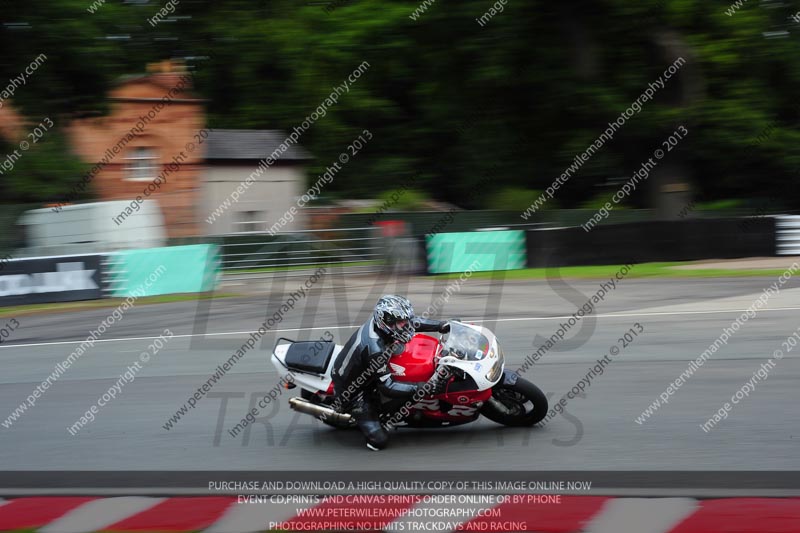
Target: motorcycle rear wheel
<point>518,405</point>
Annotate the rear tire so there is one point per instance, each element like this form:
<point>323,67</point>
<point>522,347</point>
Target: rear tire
<point>525,402</point>
<point>313,398</point>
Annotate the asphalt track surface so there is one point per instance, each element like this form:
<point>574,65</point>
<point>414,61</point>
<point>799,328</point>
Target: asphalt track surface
<point>680,318</point>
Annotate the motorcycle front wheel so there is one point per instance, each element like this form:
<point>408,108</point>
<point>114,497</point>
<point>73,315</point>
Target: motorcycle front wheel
<point>519,404</point>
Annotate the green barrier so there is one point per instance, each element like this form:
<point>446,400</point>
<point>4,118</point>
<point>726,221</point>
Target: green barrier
<point>476,251</point>
<point>154,271</point>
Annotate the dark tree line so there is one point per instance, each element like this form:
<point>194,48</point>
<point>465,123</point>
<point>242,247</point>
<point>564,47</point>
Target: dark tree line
<point>449,101</point>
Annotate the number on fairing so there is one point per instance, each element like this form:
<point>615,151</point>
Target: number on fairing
<point>462,410</point>
<point>431,405</point>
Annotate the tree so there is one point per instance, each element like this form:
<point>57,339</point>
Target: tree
<point>448,100</point>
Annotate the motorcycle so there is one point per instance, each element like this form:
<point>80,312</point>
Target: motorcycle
<point>470,364</point>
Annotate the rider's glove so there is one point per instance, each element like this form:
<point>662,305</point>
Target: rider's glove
<point>444,328</point>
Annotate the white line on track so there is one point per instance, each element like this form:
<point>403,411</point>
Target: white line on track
<point>523,319</point>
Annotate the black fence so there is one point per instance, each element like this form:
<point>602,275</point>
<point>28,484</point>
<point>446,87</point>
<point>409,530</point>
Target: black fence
<point>683,240</point>
<point>51,279</point>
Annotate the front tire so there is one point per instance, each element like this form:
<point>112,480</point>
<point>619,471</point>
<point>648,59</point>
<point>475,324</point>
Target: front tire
<point>517,404</point>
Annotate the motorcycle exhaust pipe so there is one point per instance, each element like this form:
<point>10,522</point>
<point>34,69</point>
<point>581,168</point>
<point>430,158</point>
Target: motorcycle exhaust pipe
<point>319,411</point>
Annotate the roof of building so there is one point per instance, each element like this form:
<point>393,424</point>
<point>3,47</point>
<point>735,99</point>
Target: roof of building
<point>166,79</point>
<point>251,145</point>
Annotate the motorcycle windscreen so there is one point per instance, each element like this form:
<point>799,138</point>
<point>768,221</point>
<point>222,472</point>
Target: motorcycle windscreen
<point>467,342</point>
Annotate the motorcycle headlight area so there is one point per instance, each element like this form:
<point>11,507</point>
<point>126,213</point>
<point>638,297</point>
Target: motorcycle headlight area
<point>497,367</point>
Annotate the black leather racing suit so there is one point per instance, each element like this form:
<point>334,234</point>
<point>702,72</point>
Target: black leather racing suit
<point>361,370</point>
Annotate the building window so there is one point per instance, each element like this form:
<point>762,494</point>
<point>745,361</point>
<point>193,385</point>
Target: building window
<point>141,164</point>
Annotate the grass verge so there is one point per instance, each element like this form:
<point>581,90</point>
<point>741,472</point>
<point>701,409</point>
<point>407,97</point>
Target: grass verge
<point>20,310</point>
<point>641,270</point>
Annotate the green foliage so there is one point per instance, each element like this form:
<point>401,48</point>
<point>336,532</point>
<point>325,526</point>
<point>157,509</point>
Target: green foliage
<point>47,170</point>
<point>516,199</point>
<point>403,199</point>
<point>719,205</point>
<point>597,202</point>
<point>600,200</point>
<point>445,98</point>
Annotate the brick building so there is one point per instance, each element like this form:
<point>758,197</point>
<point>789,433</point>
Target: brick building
<point>157,126</point>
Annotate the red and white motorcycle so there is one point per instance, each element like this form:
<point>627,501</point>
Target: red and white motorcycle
<point>469,357</point>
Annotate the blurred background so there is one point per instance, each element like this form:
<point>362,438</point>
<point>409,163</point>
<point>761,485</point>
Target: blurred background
<point>453,116</point>
<point>182,147</point>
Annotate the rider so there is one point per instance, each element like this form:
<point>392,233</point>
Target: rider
<point>361,368</point>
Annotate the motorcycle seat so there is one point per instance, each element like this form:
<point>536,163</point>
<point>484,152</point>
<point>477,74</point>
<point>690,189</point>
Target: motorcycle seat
<point>309,356</point>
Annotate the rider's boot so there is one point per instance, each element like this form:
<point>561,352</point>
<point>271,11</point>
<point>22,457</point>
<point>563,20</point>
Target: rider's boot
<point>369,424</point>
